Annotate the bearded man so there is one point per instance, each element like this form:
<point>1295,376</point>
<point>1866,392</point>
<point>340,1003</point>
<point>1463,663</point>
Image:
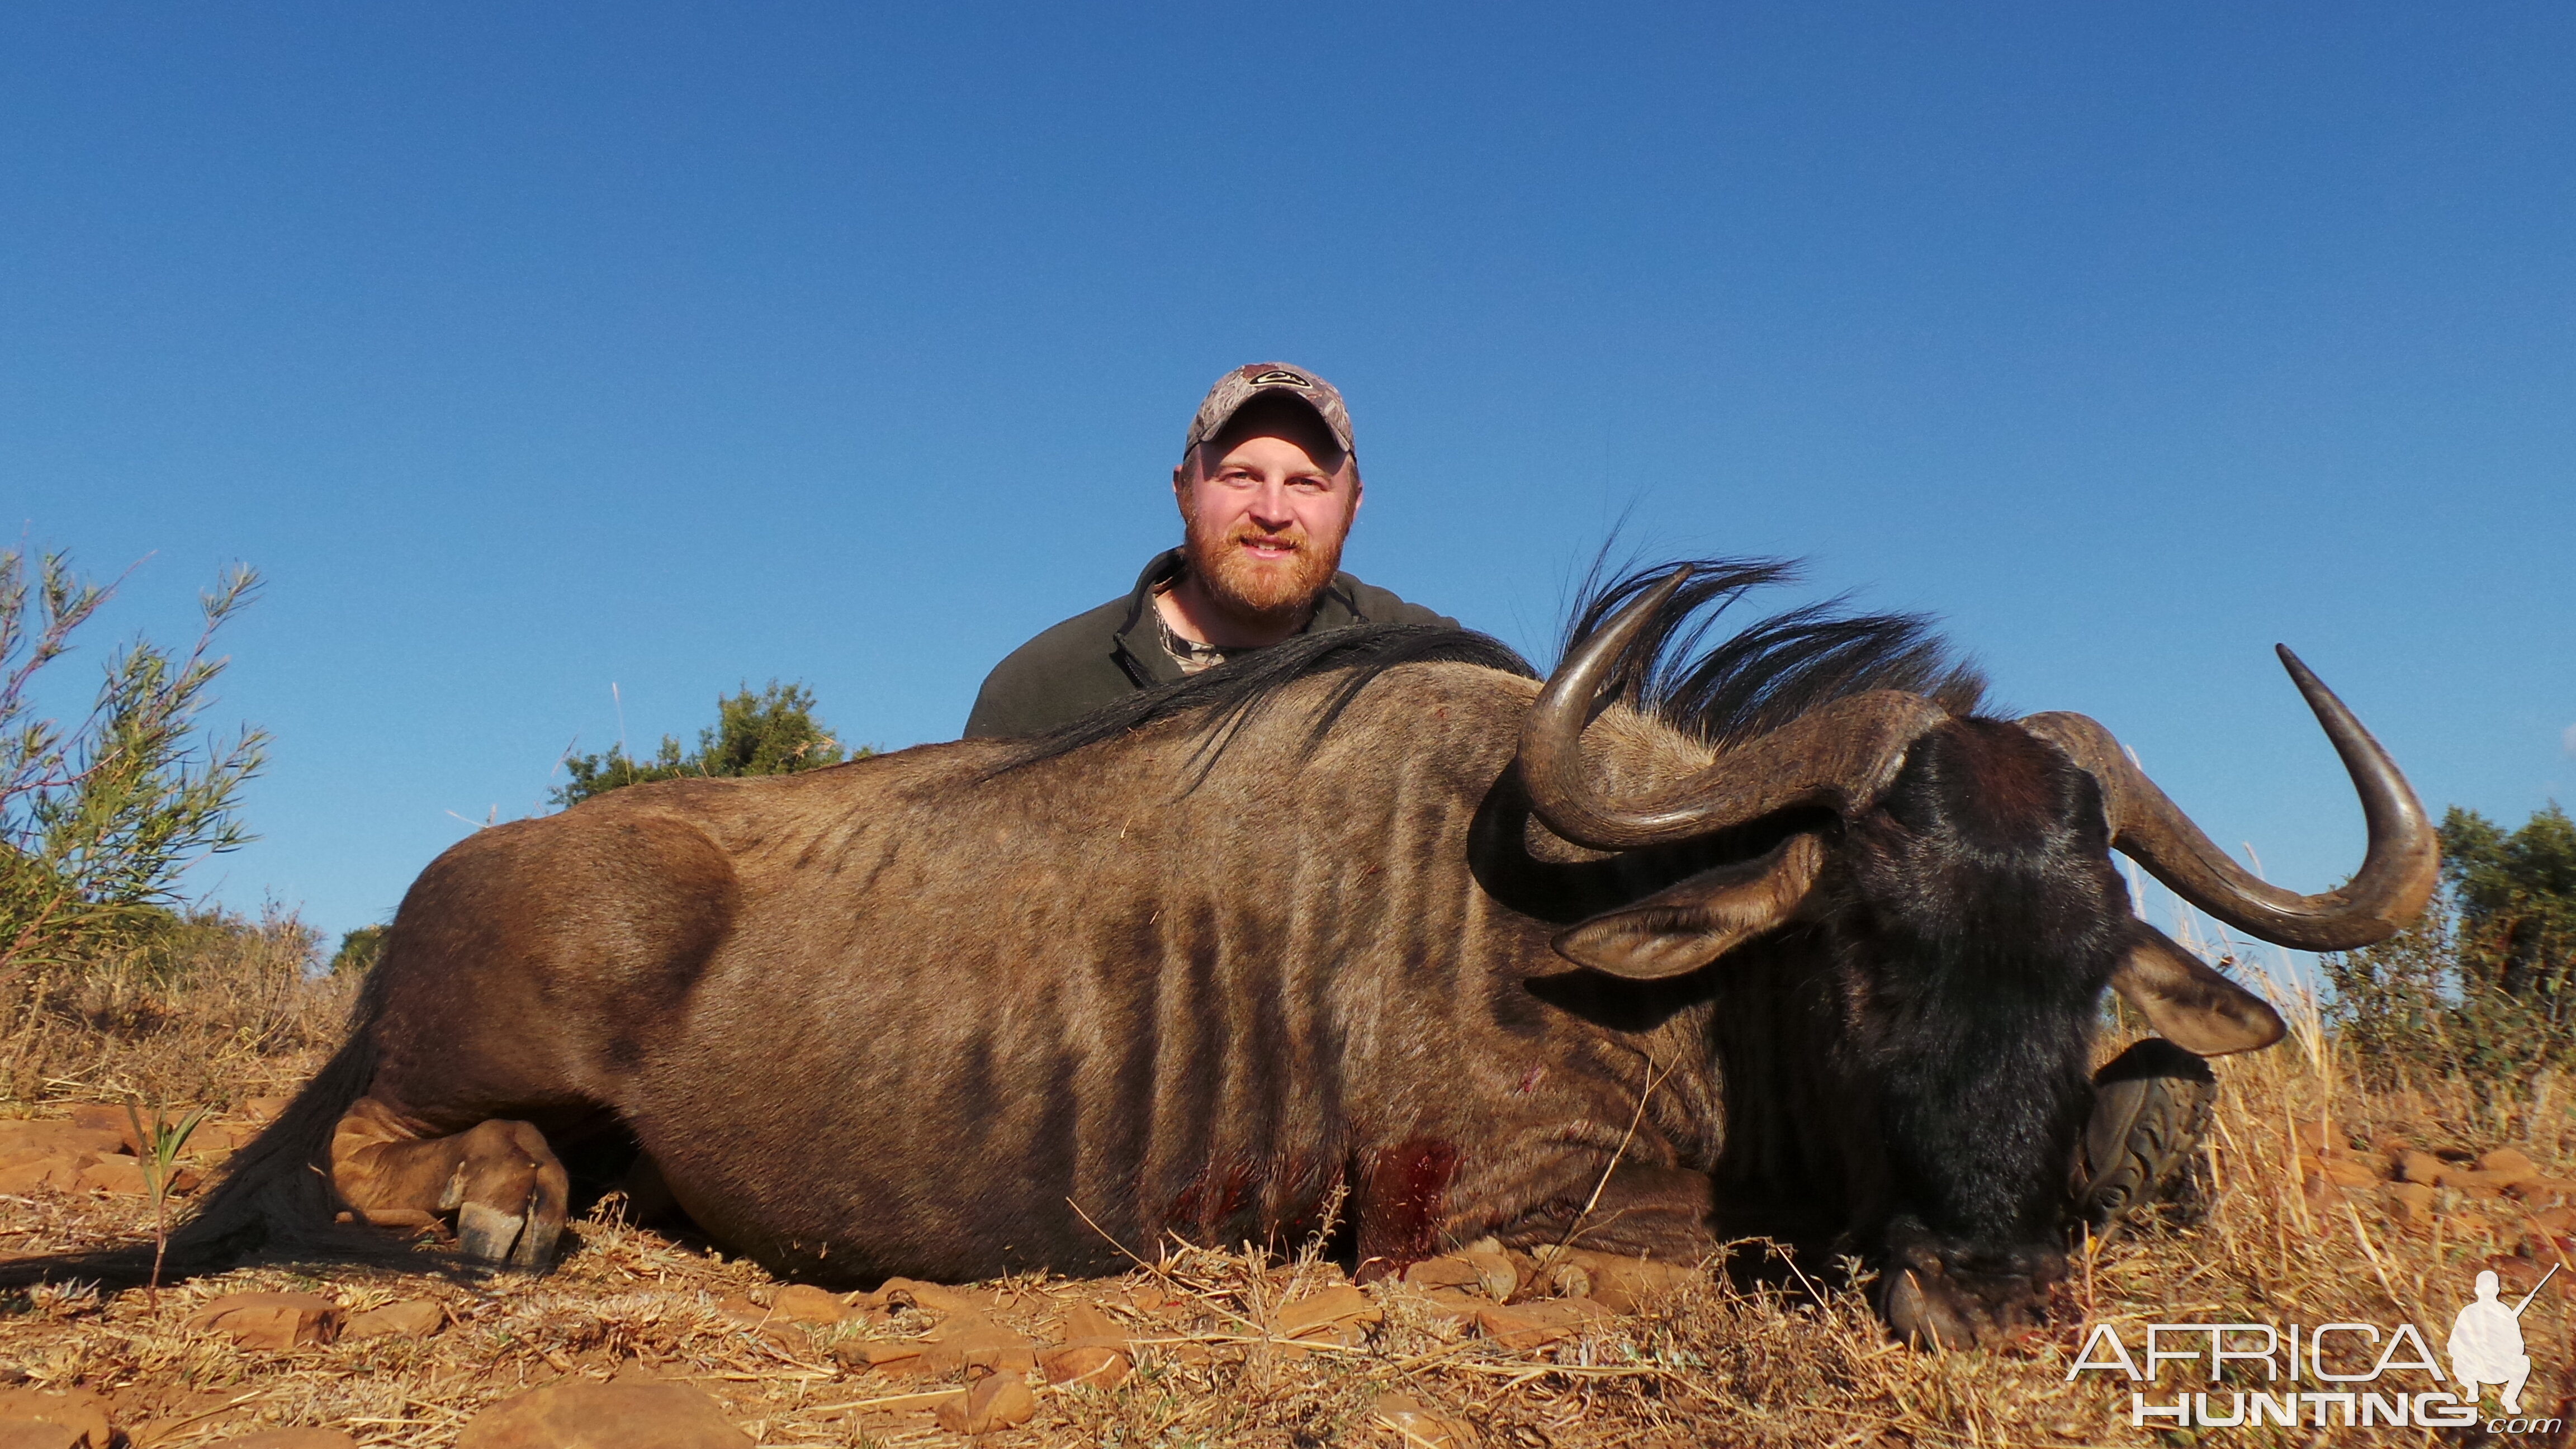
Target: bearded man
<point>1267,485</point>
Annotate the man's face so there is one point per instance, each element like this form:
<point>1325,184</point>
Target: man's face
<point>1267,505</point>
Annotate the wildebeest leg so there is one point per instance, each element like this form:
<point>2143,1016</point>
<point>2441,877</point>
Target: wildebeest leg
<point>499,1177</point>
<point>1655,1212</point>
<point>1640,1211</point>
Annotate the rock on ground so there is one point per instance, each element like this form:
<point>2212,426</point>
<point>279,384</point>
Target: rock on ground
<point>76,1419</point>
<point>411,1318</point>
<point>997,1401</point>
<point>586,1415</point>
<point>270,1320</point>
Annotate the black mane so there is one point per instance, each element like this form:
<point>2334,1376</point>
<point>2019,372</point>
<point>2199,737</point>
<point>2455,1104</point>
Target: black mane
<point>1232,692</point>
<point>1773,670</point>
<point>1748,683</point>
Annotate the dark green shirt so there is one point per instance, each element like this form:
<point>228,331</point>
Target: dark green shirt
<point>1110,652</point>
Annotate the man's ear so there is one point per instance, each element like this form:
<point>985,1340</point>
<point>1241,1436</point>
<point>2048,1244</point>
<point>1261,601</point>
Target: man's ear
<point>2189,1004</point>
<point>1684,927</point>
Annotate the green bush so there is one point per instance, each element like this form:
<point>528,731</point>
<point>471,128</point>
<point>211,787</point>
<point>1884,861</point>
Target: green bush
<point>773,732</point>
<point>358,951</point>
<point>2483,987</point>
<point>98,819</point>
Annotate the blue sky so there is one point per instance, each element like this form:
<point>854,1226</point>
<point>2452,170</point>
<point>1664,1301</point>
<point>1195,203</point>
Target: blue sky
<point>530,349</point>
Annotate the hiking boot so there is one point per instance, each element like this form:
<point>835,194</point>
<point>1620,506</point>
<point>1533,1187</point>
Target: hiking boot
<point>2151,1108</point>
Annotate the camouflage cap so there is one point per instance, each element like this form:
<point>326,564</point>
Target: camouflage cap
<point>1252,380</point>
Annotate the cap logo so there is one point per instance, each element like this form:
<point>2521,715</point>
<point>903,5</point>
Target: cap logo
<point>1280,376</point>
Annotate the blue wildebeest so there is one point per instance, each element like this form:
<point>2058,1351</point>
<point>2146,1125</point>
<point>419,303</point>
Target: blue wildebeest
<point>1373,915</point>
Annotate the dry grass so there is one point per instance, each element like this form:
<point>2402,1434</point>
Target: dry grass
<point>213,1009</point>
<point>1715,1365</point>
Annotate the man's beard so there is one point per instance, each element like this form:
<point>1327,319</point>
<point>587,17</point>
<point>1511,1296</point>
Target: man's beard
<point>1256,590</point>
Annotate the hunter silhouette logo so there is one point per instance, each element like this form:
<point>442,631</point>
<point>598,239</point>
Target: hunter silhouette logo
<point>2323,1376</point>
<point>2486,1342</point>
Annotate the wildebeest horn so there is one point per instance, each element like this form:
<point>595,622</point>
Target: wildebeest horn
<point>2397,872</point>
<point>1838,756</point>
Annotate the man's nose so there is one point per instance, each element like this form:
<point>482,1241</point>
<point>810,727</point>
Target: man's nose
<point>1269,506</point>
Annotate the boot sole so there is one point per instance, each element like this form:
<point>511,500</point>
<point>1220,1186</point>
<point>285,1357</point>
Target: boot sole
<point>2151,1107</point>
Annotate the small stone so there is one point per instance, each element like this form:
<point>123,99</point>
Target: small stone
<point>291,1439</point>
<point>2476,1183</point>
<point>208,1138</point>
<point>214,1139</point>
<point>2510,1163</point>
<point>62,1171</point>
<point>1531,1325</point>
<point>979,1345</point>
<point>34,1138</point>
<point>762,1322</point>
<point>2413,1201</point>
<point>1488,1272</point>
<point>1094,1350</point>
<point>124,1176</point>
<point>54,1154</point>
<point>411,1318</point>
<point>1565,1278</point>
<point>1090,1361</point>
<point>1420,1427</point>
<point>1447,1271</point>
<point>270,1320</point>
<point>75,1419</point>
<point>2344,1172</point>
<point>2546,1191</point>
<point>2421,1167</point>
<point>104,1117</point>
<point>1341,1313</point>
<point>263,1109</point>
<point>1625,1285</point>
<point>998,1401</point>
<point>581,1414</point>
<point>804,1303</point>
<point>1494,1272</point>
<point>860,1355</point>
<point>1087,1321</point>
<point>898,1292</point>
<point>1452,1305</point>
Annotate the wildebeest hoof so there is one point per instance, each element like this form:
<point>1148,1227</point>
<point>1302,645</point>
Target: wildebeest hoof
<point>536,1246</point>
<point>487,1233</point>
<point>1952,1298</point>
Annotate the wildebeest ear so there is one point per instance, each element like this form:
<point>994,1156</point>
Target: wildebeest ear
<point>1686,926</point>
<point>2189,1004</point>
